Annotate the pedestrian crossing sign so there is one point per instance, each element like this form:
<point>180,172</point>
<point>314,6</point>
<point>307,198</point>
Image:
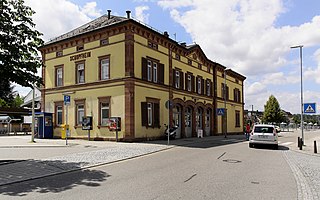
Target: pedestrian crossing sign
<point>309,108</point>
<point>220,111</point>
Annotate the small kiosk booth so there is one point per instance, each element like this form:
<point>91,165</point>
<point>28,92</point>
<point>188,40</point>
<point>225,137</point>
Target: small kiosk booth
<point>43,125</point>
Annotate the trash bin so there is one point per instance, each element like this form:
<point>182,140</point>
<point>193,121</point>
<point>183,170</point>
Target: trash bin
<point>64,130</point>
<point>200,133</point>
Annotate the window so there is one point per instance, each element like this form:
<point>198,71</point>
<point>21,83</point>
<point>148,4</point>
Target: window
<point>104,63</point>
<point>104,42</point>
<point>237,118</point>
<point>80,72</point>
<point>177,56</point>
<point>152,45</point>
<point>59,53</point>
<point>150,113</point>
<point>189,62</point>
<point>80,111</point>
<point>177,82</point>
<point>199,85</point>
<point>208,88</point>
<point>149,70</point>
<point>59,76</point>
<point>58,113</point>
<point>189,86</point>
<point>199,66</point>
<point>104,110</point>
<point>237,95</point>
<point>152,70</point>
<point>155,72</point>
<point>80,48</point>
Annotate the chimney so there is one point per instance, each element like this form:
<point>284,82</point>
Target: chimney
<point>109,14</point>
<point>128,14</point>
<point>166,34</point>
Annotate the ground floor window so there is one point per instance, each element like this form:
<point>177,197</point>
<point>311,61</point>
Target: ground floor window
<point>80,111</point>
<point>237,118</point>
<point>150,113</point>
<point>58,113</point>
<point>104,110</point>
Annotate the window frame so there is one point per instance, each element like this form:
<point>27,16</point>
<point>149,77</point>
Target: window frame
<point>56,105</point>
<point>177,79</point>
<point>56,68</point>
<point>189,81</point>
<point>78,102</point>
<point>77,72</point>
<point>102,100</point>
<point>101,58</point>
<point>208,87</point>
<point>155,72</point>
<point>152,115</point>
<point>237,120</point>
<point>199,80</point>
<point>149,70</point>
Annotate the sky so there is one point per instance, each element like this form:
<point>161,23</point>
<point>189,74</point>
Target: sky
<point>252,37</point>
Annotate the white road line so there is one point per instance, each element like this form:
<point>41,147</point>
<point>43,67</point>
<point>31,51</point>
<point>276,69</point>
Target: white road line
<point>286,143</point>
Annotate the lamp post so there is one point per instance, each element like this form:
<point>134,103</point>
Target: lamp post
<point>300,47</point>
<point>225,102</point>
<point>33,115</point>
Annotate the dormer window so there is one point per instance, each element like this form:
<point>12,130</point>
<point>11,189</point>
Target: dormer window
<point>104,42</point>
<point>59,53</point>
<point>80,48</point>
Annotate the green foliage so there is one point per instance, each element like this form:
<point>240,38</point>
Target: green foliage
<point>16,103</point>
<point>19,41</point>
<point>3,104</point>
<point>272,112</point>
<point>6,92</point>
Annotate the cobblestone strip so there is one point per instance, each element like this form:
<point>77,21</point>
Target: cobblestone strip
<point>92,158</point>
<point>306,171</point>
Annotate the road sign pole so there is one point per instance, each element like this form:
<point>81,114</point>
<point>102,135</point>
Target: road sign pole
<point>66,125</point>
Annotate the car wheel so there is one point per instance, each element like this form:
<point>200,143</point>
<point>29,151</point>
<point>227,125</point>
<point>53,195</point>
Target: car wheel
<point>250,145</point>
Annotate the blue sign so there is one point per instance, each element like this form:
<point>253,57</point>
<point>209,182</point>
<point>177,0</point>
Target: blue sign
<point>309,108</point>
<point>220,111</point>
<point>66,99</point>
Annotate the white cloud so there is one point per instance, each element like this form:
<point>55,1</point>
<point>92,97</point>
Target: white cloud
<point>314,73</point>
<point>140,15</point>
<point>56,17</point>
<point>243,34</point>
<point>91,10</point>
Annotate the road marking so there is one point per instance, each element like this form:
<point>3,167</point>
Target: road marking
<point>286,143</point>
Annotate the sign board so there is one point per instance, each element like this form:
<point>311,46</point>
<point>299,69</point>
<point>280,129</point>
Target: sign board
<point>220,111</point>
<point>309,108</point>
<point>87,123</point>
<point>66,99</point>
<point>114,124</point>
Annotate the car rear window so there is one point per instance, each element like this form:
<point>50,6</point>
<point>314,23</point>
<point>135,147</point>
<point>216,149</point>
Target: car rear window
<point>261,129</point>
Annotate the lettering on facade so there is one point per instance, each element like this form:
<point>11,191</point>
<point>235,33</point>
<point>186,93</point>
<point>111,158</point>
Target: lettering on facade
<point>80,56</point>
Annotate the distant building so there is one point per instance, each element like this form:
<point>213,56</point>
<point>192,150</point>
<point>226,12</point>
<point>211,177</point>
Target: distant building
<point>117,67</point>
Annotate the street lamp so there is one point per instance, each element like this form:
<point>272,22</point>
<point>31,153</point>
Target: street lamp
<point>225,102</point>
<point>300,47</point>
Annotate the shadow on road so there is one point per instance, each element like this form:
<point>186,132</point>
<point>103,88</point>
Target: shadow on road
<point>51,183</point>
<point>264,146</point>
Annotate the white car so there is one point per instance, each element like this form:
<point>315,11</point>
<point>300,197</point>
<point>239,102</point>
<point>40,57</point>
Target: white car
<point>264,134</point>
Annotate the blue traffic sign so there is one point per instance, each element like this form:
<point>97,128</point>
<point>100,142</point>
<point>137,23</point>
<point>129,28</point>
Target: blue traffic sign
<point>309,108</point>
<point>66,99</point>
<point>220,111</point>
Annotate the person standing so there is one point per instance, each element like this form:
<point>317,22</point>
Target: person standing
<point>247,131</point>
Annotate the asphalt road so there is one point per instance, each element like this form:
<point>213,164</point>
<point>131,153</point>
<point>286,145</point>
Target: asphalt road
<point>198,171</point>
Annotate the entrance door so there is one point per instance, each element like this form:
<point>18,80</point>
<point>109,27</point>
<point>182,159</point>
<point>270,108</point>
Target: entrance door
<point>177,119</point>
<point>188,124</point>
<point>199,119</point>
<point>207,122</point>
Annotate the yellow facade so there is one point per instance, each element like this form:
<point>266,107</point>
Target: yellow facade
<point>132,93</point>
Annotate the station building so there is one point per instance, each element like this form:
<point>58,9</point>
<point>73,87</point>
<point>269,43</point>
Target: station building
<point>118,67</point>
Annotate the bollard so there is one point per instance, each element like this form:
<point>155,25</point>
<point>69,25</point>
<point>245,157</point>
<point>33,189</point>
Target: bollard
<point>315,146</point>
<point>298,141</point>
<point>301,142</point>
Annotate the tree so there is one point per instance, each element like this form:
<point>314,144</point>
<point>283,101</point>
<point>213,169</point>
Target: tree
<point>19,41</point>
<point>16,103</point>
<point>6,92</point>
<point>272,112</point>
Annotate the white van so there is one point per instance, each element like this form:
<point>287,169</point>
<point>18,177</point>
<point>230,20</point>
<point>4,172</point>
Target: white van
<point>264,134</point>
